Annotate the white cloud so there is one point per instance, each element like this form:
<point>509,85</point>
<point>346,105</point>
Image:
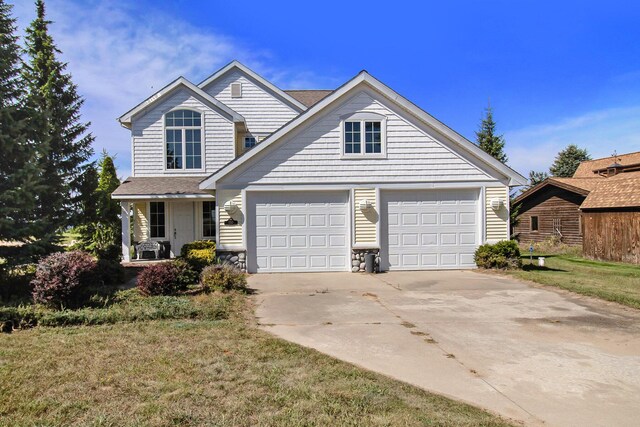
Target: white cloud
<point>118,56</point>
<point>600,132</point>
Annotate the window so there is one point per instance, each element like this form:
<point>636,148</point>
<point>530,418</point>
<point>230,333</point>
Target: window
<point>209,219</point>
<point>157,219</point>
<point>183,138</point>
<point>236,90</point>
<point>363,135</point>
<point>534,223</point>
<point>249,142</point>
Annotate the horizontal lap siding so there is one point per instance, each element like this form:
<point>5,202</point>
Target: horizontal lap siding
<point>262,111</point>
<point>497,221</point>
<point>140,222</point>
<point>612,236</point>
<point>313,155</point>
<point>148,137</point>
<point>549,204</point>
<point>230,235</point>
<point>365,223</point>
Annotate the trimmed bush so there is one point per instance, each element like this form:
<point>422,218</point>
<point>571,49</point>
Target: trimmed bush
<point>198,244</point>
<point>223,277</point>
<point>504,254</point>
<point>15,283</point>
<point>158,279</point>
<point>62,279</point>
<point>200,258</point>
<point>186,274</point>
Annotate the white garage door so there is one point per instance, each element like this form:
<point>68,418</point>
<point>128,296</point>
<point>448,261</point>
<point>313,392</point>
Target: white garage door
<point>431,229</point>
<point>299,232</point>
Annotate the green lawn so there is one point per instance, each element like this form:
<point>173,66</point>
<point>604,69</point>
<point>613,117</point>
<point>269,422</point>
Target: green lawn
<point>607,280</point>
<point>200,371</point>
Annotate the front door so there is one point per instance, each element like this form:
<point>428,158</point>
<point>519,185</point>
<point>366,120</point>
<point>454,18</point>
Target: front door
<point>183,225</point>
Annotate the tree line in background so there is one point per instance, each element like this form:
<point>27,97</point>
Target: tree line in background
<point>48,182</point>
<point>564,165</point>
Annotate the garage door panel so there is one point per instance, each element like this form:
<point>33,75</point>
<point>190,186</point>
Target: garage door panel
<point>300,231</point>
<point>430,229</point>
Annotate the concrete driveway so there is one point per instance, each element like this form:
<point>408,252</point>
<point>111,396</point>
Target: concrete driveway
<point>525,352</point>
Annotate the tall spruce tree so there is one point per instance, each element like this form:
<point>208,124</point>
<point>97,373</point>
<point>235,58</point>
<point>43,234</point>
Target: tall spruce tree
<point>568,160</point>
<point>19,173</point>
<point>62,136</point>
<point>487,139</point>
<point>536,178</point>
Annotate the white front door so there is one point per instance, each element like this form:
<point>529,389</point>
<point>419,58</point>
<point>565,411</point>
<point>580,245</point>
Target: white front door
<point>295,231</point>
<point>429,229</point>
<point>182,214</point>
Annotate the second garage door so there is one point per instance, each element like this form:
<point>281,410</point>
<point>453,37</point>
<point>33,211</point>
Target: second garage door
<point>295,232</point>
<point>430,229</point>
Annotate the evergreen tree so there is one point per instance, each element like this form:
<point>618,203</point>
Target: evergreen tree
<point>487,139</point>
<point>568,160</point>
<point>536,178</point>
<point>19,172</point>
<point>61,135</point>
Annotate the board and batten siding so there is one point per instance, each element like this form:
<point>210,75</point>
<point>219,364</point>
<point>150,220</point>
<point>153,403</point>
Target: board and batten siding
<point>365,223</point>
<point>148,137</point>
<point>263,112</point>
<point>313,154</point>
<point>497,221</point>
<point>230,235</point>
<point>140,222</point>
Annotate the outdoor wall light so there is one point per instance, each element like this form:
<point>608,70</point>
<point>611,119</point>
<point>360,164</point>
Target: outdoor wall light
<point>230,207</point>
<point>365,205</point>
<point>496,204</point>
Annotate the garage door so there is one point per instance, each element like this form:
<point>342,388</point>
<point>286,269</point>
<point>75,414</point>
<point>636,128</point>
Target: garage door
<point>299,232</point>
<point>431,229</point>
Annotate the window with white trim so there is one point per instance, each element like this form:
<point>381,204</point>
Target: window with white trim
<point>157,220</point>
<point>363,136</point>
<point>183,139</point>
<point>249,142</point>
<point>209,220</point>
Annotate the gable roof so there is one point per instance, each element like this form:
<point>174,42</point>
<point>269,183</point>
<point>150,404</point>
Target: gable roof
<point>169,89</point>
<point>236,65</point>
<point>587,168</point>
<point>619,191</point>
<point>309,97</point>
<point>581,186</point>
<point>365,78</point>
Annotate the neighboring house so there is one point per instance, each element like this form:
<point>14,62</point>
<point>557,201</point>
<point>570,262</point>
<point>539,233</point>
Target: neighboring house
<point>597,207</point>
<point>308,180</point>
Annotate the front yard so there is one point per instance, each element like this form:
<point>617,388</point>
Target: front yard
<point>199,371</point>
<point>610,281</point>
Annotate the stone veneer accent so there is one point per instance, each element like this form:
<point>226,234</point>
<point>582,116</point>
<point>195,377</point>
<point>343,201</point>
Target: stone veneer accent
<point>357,260</point>
<point>236,258</point>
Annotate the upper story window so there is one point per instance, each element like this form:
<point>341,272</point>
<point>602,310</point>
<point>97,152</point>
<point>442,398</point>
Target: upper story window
<point>363,136</point>
<point>249,142</point>
<point>183,139</point>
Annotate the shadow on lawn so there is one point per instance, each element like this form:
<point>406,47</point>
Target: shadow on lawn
<point>533,267</point>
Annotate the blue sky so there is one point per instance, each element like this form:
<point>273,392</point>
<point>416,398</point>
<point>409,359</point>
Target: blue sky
<point>555,73</point>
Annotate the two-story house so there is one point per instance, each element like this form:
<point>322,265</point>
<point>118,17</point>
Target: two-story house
<point>289,181</point>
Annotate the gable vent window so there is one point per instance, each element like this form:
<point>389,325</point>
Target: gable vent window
<point>236,90</point>
<point>183,139</point>
<point>249,142</point>
<point>363,136</point>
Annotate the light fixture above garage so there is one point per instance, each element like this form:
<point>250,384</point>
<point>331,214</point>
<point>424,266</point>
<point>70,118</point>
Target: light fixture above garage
<point>230,207</point>
<point>365,205</point>
<point>496,204</point>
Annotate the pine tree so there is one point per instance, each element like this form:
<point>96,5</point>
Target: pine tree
<point>488,140</point>
<point>536,178</point>
<point>19,173</point>
<point>568,160</point>
<point>61,135</point>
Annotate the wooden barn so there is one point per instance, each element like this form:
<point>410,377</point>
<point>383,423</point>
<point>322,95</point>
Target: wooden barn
<point>611,219</point>
<point>551,209</point>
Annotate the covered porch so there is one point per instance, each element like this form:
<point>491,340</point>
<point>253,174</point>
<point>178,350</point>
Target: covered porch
<point>161,214</point>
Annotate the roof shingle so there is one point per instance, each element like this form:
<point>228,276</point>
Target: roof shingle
<point>620,191</point>
<point>585,170</point>
<point>160,186</point>
<point>308,97</point>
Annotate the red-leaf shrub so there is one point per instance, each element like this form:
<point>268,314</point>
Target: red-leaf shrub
<point>62,278</point>
<point>167,278</point>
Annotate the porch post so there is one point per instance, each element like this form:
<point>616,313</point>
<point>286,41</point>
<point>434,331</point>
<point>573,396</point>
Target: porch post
<point>126,231</point>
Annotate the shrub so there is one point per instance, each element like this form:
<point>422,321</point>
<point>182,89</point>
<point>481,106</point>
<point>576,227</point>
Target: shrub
<point>61,279</point>
<point>15,283</point>
<point>223,277</point>
<point>186,274</point>
<point>504,254</point>
<point>110,272</point>
<point>158,279</point>
<point>198,244</point>
<point>199,254</point>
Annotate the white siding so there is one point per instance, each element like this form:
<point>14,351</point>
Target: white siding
<point>497,221</point>
<point>313,155</point>
<point>263,112</point>
<point>148,138</point>
<point>365,222</point>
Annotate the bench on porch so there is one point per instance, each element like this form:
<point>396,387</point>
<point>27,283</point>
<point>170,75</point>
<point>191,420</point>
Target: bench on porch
<point>150,246</point>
